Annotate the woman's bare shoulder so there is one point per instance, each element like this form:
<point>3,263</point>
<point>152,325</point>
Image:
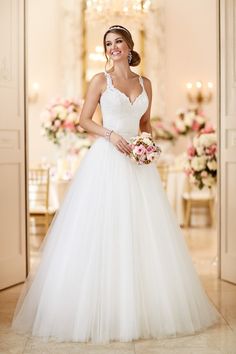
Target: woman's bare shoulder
<point>98,82</point>
<point>146,81</point>
<point>99,77</point>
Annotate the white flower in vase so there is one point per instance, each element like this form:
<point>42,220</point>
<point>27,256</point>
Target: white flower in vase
<point>189,118</point>
<point>198,163</point>
<point>212,165</point>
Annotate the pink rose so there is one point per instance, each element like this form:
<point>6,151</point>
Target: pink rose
<point>204,174</point>
<point>195,126</point>
<point>69,125</point>
<point>208,129</point>
<point>57,123</point>
<point>150,149</point>
<point>213,149</point>
<point>139,150</point>
<point>188,171</point>
<point>191,150</point>
<point>66,103</point>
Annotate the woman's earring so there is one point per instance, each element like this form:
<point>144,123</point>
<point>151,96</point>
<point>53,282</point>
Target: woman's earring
<point>129,57</point>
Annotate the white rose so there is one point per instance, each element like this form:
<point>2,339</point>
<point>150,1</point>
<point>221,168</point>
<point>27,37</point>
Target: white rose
<point>145,134</point>
<point>86,143</point>
<point>180,125</point>
<point>212,165</point>
<point>207,139</point>
<point>196,142</point>
<point>63,114</point>
<point>188,118</point>
<point>200,119</point>
<point>198,163</point>
<point>200,150</point>
<point>72,117</point>
<point>57,123</point>
<point>192,179</point>
<point>147,141</point>
<point>150,156</point>
<point>58,108</point>
<point>209,181</point>
<point>48,124</point>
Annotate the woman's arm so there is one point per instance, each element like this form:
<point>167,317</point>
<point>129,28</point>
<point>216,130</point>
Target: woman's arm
<point>96,86</point>
<point>90,104</point>
<point>145,124</point>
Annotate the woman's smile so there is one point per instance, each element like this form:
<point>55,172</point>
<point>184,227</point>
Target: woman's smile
<point>116,46</point>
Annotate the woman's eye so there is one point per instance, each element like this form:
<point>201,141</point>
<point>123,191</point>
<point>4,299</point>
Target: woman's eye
<point>119,41</point>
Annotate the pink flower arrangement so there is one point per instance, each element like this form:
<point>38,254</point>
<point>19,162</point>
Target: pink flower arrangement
<point>190,120</point>
<point>60,118</point>
<point>144,149</point>
<point>201,164</point>
<point>163,130</point>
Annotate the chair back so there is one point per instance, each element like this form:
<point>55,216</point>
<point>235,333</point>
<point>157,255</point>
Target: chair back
<point>39,189</point>
<point>163,170</point>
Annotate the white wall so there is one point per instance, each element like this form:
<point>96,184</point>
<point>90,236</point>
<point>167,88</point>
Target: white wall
<point>44,66</point>
<point>190,50</point>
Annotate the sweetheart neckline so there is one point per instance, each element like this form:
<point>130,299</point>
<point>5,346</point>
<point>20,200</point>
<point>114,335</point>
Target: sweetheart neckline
<point>131,102</point>
<point>124,94</point>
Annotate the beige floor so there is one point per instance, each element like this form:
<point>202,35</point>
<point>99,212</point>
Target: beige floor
<point>220,339</point>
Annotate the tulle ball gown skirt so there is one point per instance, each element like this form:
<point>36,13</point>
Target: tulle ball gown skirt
<point>114,264</point>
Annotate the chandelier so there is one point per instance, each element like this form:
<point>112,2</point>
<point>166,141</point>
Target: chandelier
<point>107,9</point>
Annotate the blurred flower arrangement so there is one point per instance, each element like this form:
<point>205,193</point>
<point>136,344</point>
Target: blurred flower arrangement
<point>201,164</point>
<point>60,124</point>
<point>189,120</point>
<point>60,117</point>
<point>163,130</point>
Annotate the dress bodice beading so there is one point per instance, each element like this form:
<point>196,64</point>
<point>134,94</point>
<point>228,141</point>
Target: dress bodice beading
<point>119,113</point>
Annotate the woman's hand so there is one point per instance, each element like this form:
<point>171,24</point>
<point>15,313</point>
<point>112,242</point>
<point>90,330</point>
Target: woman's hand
<point>120,143</point>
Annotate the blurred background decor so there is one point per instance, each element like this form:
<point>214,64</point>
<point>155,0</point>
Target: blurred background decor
<point>201,164</point>
<point>190,120</point>
<point>61,118</point>
<point>198,94</point>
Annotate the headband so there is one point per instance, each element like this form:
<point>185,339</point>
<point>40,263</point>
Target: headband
<point>119,28</point>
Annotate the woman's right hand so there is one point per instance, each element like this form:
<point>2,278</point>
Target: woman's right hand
<point>120,143</point>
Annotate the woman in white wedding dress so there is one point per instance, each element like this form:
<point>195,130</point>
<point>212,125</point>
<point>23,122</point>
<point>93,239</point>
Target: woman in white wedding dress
<point>114,264</point>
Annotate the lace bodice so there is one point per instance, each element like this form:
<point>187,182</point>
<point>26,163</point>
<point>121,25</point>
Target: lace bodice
<point>119,113</point>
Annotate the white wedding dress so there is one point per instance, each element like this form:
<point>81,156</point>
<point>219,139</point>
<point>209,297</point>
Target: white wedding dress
<point>114,264</point>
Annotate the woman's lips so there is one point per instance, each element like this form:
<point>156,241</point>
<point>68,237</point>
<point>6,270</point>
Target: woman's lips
<point>115,52</point>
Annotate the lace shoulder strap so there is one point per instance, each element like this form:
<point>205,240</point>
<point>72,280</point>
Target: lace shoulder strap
<point>109,81</point>
<point>141,81</point>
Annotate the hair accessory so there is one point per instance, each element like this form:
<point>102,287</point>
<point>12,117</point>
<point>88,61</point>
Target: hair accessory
<point>129,57</point>
<point>118,27</point>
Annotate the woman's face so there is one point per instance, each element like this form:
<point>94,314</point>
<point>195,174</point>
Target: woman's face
<point>116,46</point>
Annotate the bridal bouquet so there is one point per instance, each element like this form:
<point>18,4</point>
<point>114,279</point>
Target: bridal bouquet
<point>201,165</point>
<point>60,118</point>
<point>144,149</point>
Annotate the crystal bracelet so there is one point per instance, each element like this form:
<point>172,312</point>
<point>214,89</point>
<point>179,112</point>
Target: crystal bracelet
<point>108,134</point>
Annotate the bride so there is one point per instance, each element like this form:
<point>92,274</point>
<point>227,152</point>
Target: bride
<point>114,264</point>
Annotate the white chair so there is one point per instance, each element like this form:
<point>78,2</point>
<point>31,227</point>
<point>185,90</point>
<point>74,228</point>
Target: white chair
<point>195,198</point>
